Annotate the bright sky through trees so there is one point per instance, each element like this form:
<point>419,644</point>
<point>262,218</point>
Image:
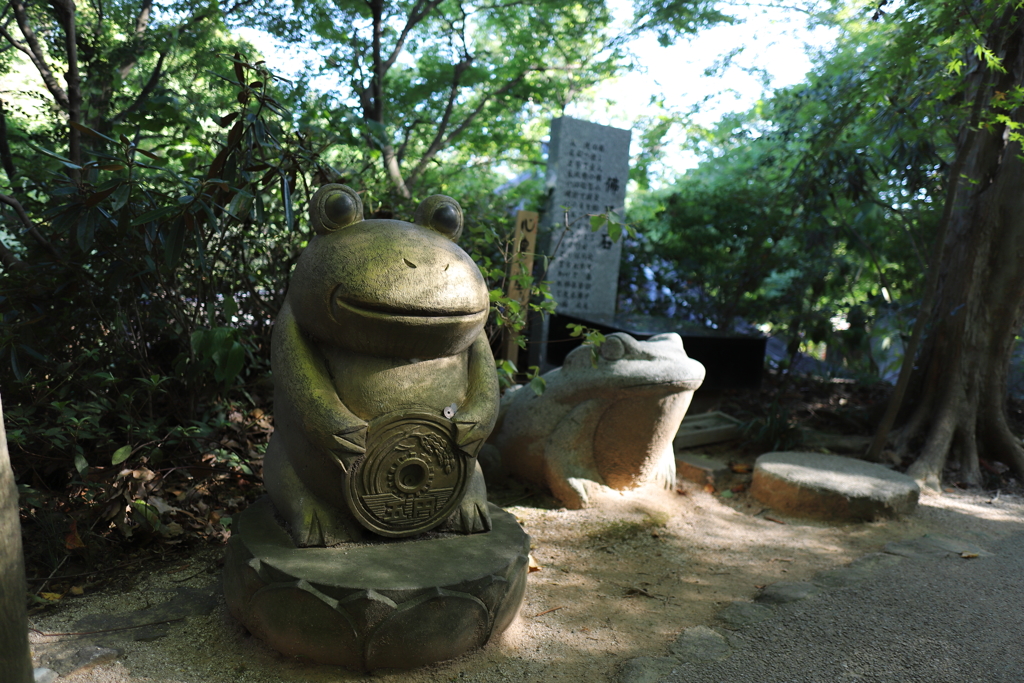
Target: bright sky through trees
<point>723,69</point>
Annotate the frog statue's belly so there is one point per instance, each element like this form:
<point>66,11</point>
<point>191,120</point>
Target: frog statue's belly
<point>372,387</point>
<point>609,422</point>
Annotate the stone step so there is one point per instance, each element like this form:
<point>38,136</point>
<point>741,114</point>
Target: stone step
<point>831,487</point>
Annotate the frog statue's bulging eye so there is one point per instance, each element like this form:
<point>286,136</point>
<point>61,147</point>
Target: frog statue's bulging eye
<point>613,349</point>
<point>334,207</point>
<point>442,214</point>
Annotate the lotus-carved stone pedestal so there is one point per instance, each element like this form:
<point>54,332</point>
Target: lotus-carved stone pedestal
<point>395,603</point>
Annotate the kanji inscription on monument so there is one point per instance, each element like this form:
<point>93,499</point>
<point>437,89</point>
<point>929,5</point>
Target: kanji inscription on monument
<point>588,167</point>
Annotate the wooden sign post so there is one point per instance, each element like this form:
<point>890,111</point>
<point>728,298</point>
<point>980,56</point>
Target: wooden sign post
<point>524,245</point>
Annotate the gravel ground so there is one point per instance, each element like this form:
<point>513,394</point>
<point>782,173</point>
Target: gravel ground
<point>621,582</point>
<point>936,620</point>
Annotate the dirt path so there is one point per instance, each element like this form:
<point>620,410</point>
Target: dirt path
<point>617,581</point>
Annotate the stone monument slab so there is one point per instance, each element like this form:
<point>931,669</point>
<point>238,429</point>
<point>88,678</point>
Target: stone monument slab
<point>588,169</point>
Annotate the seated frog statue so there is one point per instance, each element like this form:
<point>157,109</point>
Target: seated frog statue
<point>384,383</point>
<point>607,420</point>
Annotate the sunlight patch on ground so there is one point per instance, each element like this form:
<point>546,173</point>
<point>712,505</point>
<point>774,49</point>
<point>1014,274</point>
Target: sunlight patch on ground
<point>1006,509</point>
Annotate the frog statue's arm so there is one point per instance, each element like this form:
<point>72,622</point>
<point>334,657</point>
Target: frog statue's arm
<point>302,375</point>
<point>475,419</point>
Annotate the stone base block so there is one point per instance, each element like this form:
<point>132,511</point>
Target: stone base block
<point>703,469</point>
<point>831,487</point>
<point>399,603</point>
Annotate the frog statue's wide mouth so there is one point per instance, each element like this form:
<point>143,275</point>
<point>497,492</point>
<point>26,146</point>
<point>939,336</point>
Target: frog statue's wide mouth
<point>408,313</point>
<point>406,330</point>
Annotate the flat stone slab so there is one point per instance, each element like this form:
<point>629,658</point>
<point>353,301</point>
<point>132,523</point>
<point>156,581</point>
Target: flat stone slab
<point>740,614</point>
<point>700,644</point>
<point>856,572</point>
<point>705,428</point>
<point>934,546</point>
<point>151,623</point>
<point>785,592</point>
<point>82,658</point>
<point>399,603</point>
<point>647,669</point>
<point>703,469</point>
<point>831,487</point>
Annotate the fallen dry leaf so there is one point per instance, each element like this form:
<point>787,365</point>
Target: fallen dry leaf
<point>740,468</point>
<point>77,590</point>
<point>72,539</point>
<point>534,567</point>
<point>709,488</point>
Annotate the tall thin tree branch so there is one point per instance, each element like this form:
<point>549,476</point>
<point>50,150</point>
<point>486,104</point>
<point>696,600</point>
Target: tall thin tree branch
<point>6,158</point>
<point>375,99</point>
<point>65,11</point>
<point>418,13</point>
<point>36,54</point>
<point>377,80</point>
<point>10,260</point>
<point>147,90</point>
<point>12,41</point>
<point>442,125</point>
<point>19,210</point>
<point>141,23</point>
<point>437,146</point>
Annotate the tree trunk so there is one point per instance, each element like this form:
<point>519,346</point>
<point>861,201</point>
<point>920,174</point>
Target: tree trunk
<point>958,391</point>
<point>390,160</point>
<point>15,662</point>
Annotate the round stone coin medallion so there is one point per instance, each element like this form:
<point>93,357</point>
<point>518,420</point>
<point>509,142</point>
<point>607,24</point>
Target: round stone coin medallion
<point>411,478</point>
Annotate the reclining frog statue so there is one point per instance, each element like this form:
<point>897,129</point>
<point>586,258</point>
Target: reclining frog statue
<point>384,391</point>
<point>605,419</point>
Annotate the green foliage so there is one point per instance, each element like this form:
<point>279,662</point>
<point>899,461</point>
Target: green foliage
<point>818,205</point>
<point>509,376</point>
<point>157,274</point>
<point>592,338</point>
<point>151,211</point>
<point>777,431</point>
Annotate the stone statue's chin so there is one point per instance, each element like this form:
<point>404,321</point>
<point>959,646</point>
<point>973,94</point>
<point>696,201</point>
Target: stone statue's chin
<point>405,334</point>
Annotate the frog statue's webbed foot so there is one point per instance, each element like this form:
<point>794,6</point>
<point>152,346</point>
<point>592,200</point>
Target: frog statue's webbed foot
<point>665,471</point>
<point>472,515</point>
